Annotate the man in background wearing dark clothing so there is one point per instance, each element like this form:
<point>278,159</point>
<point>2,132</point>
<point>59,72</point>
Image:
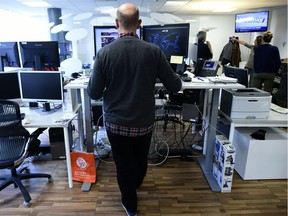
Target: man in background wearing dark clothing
<point>125,73</point>
<point>204,49</point>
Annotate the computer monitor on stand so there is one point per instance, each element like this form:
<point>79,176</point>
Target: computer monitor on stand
<point>240,74</point>
<point>9,56</point>
<point>9,86</point>
<point>40,55</point>
<point>41,86</point>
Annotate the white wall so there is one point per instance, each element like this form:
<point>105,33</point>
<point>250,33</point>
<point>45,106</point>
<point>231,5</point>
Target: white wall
<point>16,27</point>
<point>222,27</point>
<point>279,28</point>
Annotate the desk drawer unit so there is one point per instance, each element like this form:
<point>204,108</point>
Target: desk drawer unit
<point>261,159</point>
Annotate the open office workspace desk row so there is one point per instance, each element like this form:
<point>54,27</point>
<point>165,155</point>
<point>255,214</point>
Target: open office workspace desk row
<point>56,119</point>
<point>211,97</point>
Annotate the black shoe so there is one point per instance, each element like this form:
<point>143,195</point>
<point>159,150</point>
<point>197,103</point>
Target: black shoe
<point>127,212</point>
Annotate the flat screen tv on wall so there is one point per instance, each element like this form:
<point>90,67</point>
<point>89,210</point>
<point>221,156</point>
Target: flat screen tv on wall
<point>252,22</point>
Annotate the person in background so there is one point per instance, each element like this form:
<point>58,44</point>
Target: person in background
<point>266,64</point>
<point>125,73</point>
<point>250,62</point>
<point>204,50</point>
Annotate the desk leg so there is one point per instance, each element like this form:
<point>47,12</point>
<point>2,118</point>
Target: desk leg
<point>80,128</point>
<point>231,133</point>
<point>206,163</point>
<point>89,132</point>
<point>68,157</point>
<point>88,121</point>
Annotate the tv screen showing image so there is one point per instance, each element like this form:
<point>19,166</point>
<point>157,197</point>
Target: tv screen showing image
<point>173,39</point>
<point>251,22</point>
<point>104,35</point>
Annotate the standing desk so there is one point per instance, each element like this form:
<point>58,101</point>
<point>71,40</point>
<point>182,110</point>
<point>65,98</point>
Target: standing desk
<point>212,101</point>
<point>57,119</point>
<point>78,93</point>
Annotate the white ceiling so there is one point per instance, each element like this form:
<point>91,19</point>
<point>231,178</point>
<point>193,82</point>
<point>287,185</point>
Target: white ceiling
<point>191,7</point>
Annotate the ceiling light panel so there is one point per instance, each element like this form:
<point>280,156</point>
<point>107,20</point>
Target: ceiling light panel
<point>36,3</point>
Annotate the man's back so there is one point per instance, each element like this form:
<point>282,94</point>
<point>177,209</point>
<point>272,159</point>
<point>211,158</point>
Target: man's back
<point>128,69</point>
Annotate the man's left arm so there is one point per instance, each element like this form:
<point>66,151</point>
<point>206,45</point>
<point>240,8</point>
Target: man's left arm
<point>96,83</point>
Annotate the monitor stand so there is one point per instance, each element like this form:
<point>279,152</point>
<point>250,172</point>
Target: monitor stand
<point>46,107</point>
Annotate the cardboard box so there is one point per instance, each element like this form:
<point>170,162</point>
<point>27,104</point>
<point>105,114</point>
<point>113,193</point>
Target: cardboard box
<point>223,163</point>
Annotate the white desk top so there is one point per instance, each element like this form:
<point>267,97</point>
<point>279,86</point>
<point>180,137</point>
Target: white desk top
<point>274,119</point>
<point>81,83</point>
<point>40,119</point>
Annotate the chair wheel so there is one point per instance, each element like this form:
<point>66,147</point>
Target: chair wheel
<point>50,180</point>
<point>26,204</point>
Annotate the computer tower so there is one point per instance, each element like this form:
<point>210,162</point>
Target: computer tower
<point>57,145</point>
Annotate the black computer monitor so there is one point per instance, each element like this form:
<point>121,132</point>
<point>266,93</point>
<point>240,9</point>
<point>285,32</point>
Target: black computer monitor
<point>198,66</point>
<point>104,35</point>
<point>9,86</point>
<point>9,55</point>
<point>40,55</point>
<point>41,86</point>
<point>173,39</point>
<point>240,74</point>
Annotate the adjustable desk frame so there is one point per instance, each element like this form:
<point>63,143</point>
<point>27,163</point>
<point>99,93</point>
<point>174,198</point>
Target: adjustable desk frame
<point>50,121</point>
<point>80,89</point>
<point>212,103</point>
<point>206,163</point>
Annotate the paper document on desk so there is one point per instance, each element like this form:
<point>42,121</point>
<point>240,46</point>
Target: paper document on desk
<point>223,79</point>
<point>200,80</point>
<point>81,80</point>
<point>278,109</point>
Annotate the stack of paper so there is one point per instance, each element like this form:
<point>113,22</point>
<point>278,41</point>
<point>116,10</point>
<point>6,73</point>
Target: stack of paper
<point>223,79</point>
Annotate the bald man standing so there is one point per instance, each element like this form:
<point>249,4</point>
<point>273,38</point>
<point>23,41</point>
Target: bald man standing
<point>124,74</point>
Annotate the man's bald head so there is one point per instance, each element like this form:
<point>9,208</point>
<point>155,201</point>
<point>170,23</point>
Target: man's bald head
<point>128,17</point>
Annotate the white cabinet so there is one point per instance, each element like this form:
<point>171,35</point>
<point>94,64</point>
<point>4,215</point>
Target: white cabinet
<point>261,159</point>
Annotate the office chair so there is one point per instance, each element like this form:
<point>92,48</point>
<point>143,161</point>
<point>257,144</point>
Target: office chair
<point>171,109</point>
<point>14,146</point>
<point>280,97</point>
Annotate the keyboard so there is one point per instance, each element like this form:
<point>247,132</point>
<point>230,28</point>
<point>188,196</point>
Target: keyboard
<point>186,79</point>
<point>208,73</point>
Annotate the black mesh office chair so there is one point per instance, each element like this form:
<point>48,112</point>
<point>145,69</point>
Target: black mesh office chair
<point>14,148</point>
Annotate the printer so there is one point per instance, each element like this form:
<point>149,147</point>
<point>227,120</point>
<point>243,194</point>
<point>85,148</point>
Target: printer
<point>248,103</point>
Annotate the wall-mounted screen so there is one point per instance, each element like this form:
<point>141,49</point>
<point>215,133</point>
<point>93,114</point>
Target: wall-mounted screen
<point>173,39</point>
<point>9,86</point>
<point>9,55</point>
<point>252,22</point>
<point>40,55</point>
<point>104,35</point>
<point>41,86</point>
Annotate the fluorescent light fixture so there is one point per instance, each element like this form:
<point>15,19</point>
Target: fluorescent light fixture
<point>223,10</point>
<point>190,20</point>
<point>36,4</point>
<point>175,3</point>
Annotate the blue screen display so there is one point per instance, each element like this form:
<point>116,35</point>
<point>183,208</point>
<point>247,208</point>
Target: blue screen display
<point>173,39</point>
<point>251,22</point>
